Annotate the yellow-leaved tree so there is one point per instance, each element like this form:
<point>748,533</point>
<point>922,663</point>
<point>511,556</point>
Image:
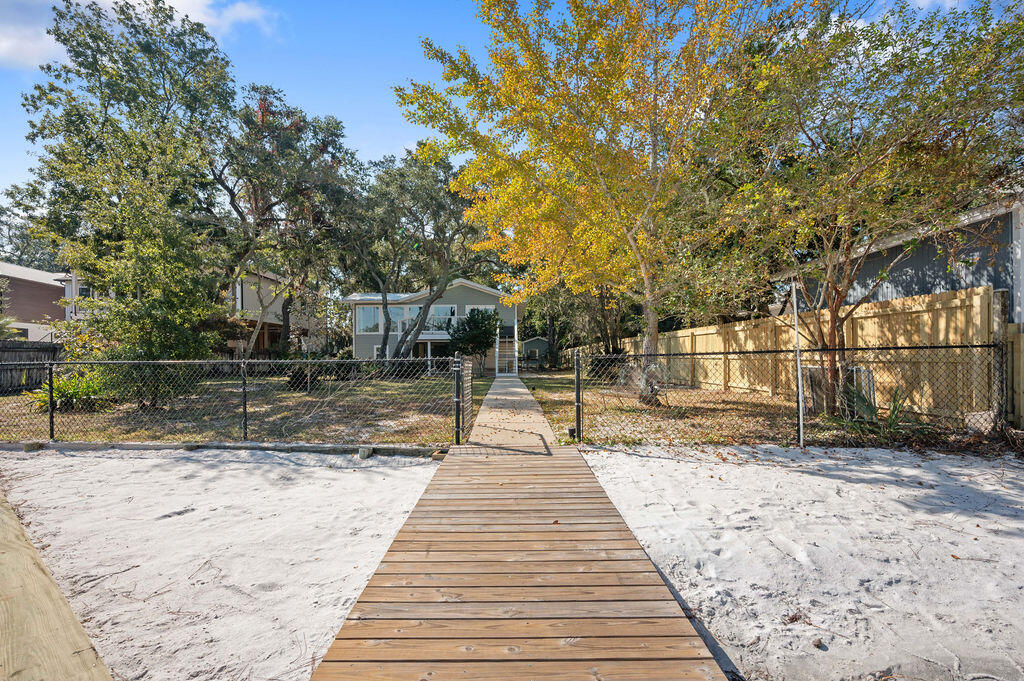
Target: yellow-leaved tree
<point>582,127</point>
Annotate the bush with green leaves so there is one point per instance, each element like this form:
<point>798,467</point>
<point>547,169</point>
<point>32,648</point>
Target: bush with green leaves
<point>75,391</point>
<point>475,334</point>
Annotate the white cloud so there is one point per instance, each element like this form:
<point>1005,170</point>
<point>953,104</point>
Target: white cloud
<point>24,43</point>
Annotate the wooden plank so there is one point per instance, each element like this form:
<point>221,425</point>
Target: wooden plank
<point>489,594</point>
<point>516,514</point>
<point>513,545</point>
<point>504,628</point>
<point>583,670</point>
<point>484,567</point>
<point>560,609</point>
<point>533,518</point>
<point>411,534</point>
<point>560,503</point>
<point>549,493</point>
<point>542,526</point>
<point>519,579</point>
<point>513,557</point>
<point>516,568</point>
<point>500,650</point>
<point>40,637</point>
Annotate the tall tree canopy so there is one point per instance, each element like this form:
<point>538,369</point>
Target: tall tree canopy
<point>413,234</point>
<point>289,187</point>
<point>582,129</point>
<point>858,134</point>
<point>123,125</point>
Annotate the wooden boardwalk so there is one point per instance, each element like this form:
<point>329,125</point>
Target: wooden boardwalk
<point>41,639</point>
<point>516,565</point>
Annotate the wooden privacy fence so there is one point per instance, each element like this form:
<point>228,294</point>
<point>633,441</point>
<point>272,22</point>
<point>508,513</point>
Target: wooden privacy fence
<point>15,378</point>
<point>903,343</point>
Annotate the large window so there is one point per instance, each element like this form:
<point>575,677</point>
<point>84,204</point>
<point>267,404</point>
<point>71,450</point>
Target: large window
<point>442,311</point>
<point>406,318</point>
<point>368,319</point>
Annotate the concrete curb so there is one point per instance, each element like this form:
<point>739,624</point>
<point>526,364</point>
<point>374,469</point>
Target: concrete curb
<point>307,447</point>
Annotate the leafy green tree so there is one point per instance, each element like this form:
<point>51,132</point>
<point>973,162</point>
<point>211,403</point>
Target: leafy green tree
<point>19,246</point>
<point>7,330</point>
<point>568,319</point>
<point>414,234</point>
<point>475,334</point>
<point>290,187</point>
<point>124,127</point>
<point>854,135</point>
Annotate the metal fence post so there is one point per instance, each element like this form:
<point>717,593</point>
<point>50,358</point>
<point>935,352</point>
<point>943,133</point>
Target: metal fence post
<point>245,403</point>
<point>799,372</point>
<point>457,371</point>
<point>49,399</point>
<point>1000,320</point>
<point>579,395</point>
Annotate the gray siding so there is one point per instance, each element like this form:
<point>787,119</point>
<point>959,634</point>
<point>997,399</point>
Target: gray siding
<point>928,271</point>
<point>460,296</point>
<point>538,344</point>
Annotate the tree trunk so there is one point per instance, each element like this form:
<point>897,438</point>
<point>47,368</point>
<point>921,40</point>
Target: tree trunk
<point>385,327</point>
<point>284,345</point>
<point>832,384</point>
<point>552,349</point>
<point>648,388</point>
<point>407,341</point>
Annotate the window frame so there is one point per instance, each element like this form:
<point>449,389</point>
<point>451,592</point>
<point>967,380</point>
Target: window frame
<point>377,313</point>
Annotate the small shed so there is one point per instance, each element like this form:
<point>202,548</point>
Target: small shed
<point>535,348</point>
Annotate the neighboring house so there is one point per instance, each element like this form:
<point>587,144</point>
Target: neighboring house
<point>33,300</point>
<point>459,298</point>
<point>248,298</point>
<point>995,261</point>
<point>535,349</point>
<point>245,302</point>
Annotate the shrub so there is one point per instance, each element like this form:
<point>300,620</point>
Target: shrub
<point>78,391</point>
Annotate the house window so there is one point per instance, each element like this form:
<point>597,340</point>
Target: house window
<point>442,311</point>
<point>368,319</point>
<point>404,317</point>
<point>479,307</point>
<point>376,351</point>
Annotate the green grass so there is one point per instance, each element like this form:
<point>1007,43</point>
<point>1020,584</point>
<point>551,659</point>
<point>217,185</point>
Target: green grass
<point>481,385</point>
<point>382,411</point>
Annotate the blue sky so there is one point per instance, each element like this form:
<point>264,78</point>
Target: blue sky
<point>341,58</point>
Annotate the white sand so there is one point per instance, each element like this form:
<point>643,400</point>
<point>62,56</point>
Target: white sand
<point>218,565</point>
<point>773,549</point>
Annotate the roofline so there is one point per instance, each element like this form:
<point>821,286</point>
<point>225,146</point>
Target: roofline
<point>458,282</point>
<point>987,212</point>
<point>32,274</point>
<point>405,297</point>
<point>527,340</point>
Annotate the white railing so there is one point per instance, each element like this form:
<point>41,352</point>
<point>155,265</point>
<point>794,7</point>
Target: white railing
<point>433,324</point>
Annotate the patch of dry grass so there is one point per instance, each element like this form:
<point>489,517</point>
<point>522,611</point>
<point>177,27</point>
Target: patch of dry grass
<point>414,410</point>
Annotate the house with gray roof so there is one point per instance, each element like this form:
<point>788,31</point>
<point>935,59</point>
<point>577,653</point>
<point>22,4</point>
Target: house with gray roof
<point>461,296</point>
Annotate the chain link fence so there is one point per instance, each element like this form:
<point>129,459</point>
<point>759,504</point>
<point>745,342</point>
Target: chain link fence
<point>394,401</point>
<point>858,395</point>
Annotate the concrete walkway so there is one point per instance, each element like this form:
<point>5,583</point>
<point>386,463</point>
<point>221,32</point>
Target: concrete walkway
<point>510,420</point>
<point>515,566</point>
